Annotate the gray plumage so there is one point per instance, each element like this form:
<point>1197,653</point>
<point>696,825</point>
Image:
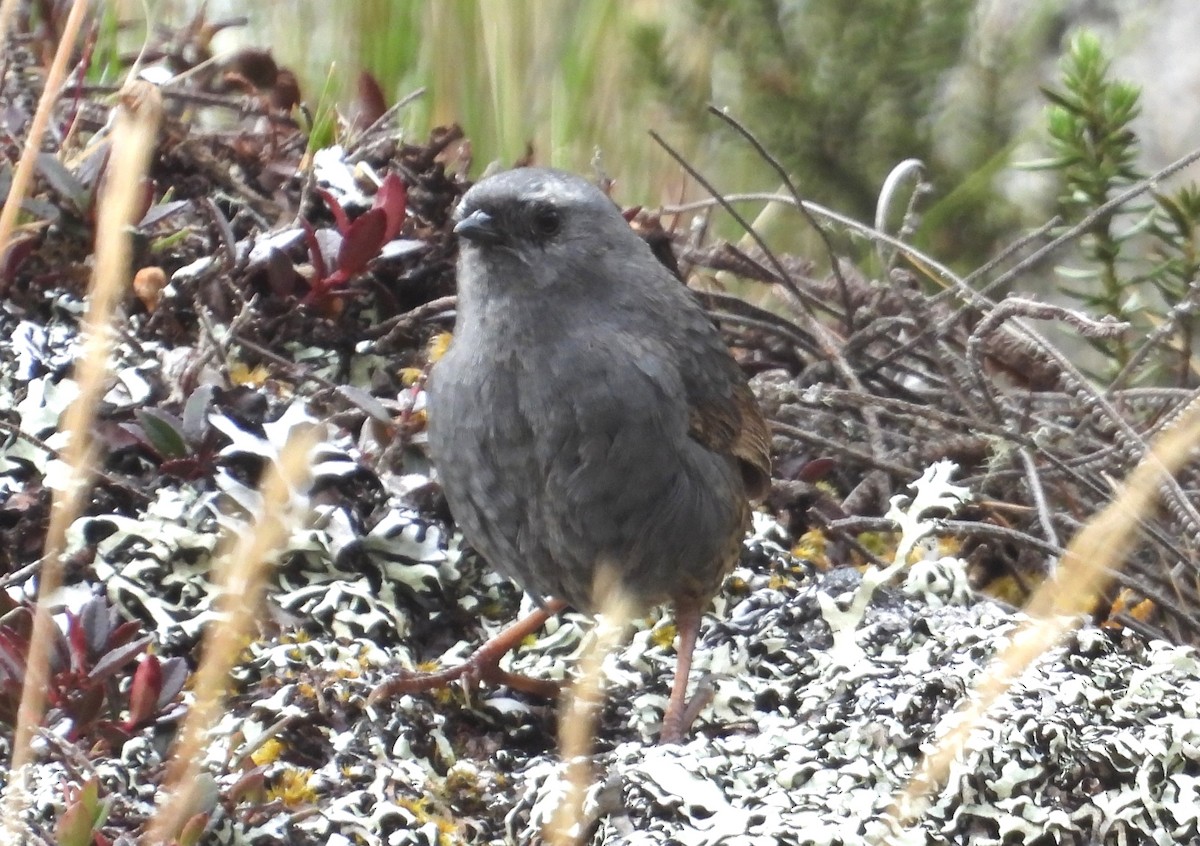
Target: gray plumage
<point>587,411</point>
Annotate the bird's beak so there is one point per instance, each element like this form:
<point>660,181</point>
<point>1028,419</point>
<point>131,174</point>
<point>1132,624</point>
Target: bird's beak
<point>480,227</point>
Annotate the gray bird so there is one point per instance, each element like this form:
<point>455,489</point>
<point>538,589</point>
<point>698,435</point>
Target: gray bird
<point>588,415</point>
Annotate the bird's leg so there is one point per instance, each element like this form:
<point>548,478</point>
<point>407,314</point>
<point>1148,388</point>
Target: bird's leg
<point>483,665</point>
<point>678,717</point>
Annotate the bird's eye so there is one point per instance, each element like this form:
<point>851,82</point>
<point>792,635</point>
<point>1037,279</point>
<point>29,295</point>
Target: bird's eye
<point>546,221</point>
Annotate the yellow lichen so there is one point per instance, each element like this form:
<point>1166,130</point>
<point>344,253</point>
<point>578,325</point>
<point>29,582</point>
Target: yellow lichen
<point>663,636</point>
<point>419,807</point>
<point>737,586</point>
<point>267,753</point>
<point>292,787</point>
<point>811,547</point>
<point>778,581</point>
<point>241,374</point>
<point>438,345</point>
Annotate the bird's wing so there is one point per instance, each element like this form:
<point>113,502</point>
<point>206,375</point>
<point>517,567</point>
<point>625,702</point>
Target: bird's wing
<point>723,415</point>
<point>733,425</point>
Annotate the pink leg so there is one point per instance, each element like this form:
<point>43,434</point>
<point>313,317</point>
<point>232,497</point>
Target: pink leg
<point>676,720</point>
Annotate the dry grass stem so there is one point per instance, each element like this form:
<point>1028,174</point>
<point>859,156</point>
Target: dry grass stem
<point>23,175</point>
<point>577,728</point>
<point>7,8</point>
<point>133,140</point>
<point>241,577</point>
<point>1096,552</point>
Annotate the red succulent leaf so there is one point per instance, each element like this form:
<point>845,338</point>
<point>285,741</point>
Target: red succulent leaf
<point>78,639</point>
<point>249,787</point>
<point>148,187</point>
<point>20,248</point>
<point>56,696</point>
<point>187,469</point>
<point>115,659</point>
<point>335,208</point>
<point>362,242</point>
<point>322,290</point>
<point>123,634</point>
<point>392,197</point>
<point>84,708</point>
<point>144,691</point>
<point>174,673</point>
<point>97,619</point>
<point>817,469</point>
<point>60,651</point>
<point>18,619</point>
<point>75,826</point>
<point>119,437</point>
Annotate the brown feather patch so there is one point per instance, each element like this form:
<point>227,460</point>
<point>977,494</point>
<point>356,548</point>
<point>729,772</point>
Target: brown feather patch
<point>736,427</point>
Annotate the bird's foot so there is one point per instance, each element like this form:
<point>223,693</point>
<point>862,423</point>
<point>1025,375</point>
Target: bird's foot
<point>676,724</point>
<point>482,666</point>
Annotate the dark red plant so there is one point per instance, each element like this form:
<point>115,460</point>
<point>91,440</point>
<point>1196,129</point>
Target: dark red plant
<point>186,446</point>
<point>362,240</point>
<point>88,661</point>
